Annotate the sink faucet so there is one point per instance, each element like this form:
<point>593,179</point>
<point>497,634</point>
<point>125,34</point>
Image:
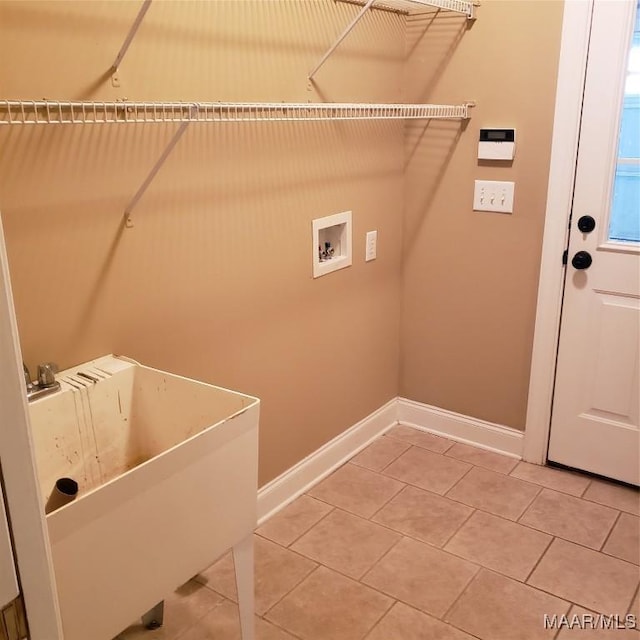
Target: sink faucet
<point>46,382</point>
<point>27,378</point>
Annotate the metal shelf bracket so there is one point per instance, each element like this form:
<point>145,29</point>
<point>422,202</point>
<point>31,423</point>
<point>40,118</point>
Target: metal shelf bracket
<point>341,37</point>
<point>128,222</point>
<point>115,80</point>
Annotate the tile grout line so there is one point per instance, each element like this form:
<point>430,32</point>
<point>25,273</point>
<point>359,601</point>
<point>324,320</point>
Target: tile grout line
<point>524,513</point>
<point>455,484</point>
<point>377,622</point>
<point>448,540</point>
<point>377,562</point>
<point>191,626</point>
<point>279,626</point>
<point>586,489</point>
<point>629,612</point>
<point>538,561</point>
<point>299,582</point>
<point>556,635</point>
<point>606,538</point>
<point>333,508</point>
<point>295,586</point>
<point>396,457</point>
<point>460,595</point>
<point>631,602</point>
<point>381,471</point>
<point>528,505</point>
<point>390,499</point>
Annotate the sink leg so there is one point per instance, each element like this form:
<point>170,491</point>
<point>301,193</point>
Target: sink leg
<point>243,560</point>
<point>154,618</point>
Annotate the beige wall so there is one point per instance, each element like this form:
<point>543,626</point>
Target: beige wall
<point>215,279</point>
<point>470,279</point>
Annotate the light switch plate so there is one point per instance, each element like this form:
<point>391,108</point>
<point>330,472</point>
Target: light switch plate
<point>371,250</point>
<point>492,195</point>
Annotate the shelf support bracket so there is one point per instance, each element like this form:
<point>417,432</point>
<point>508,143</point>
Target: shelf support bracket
<point>127,42</point>
<point>128,222</point>
<point>345,33</point>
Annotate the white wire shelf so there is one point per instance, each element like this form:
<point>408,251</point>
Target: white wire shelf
<point>38,112</point>
<point>407,7</point>
<point>411,7</point>
<point>27,112</point>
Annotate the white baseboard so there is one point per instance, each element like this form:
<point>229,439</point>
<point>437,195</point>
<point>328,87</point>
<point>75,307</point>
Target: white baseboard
<point>287,487</point>
<point>279,492</point>
<point>455,426</point>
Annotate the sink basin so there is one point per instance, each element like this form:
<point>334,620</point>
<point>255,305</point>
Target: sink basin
<point>167,475</point>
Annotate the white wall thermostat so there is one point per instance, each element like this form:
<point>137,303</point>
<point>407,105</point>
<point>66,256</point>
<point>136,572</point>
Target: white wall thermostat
<point>497,144</point>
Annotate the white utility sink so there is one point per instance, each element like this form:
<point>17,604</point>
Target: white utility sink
<point>167,475</point>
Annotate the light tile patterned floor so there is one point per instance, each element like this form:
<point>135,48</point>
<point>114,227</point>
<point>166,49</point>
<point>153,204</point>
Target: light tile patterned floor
<point>421,538</point>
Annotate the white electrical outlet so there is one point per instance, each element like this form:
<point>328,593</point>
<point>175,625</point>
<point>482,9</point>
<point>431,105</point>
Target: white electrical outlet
<point>372,246</point>
<point>491,195</point>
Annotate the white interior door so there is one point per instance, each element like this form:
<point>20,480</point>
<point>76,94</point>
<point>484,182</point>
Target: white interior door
<point>596,405</point>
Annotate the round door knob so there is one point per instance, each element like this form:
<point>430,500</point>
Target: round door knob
<point>586,224</point>
<point>582,260</point>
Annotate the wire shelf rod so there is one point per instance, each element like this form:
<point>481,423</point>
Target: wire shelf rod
<point>29,112</point>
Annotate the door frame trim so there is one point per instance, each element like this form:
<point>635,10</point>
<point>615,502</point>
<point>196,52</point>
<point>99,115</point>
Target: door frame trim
<point>22,492</point>
<point>576,29</point>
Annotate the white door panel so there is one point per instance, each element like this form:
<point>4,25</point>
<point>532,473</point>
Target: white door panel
<point>613,335</point>
<point>597,402</point>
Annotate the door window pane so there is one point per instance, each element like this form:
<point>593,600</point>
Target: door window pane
<point>625,211</point>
